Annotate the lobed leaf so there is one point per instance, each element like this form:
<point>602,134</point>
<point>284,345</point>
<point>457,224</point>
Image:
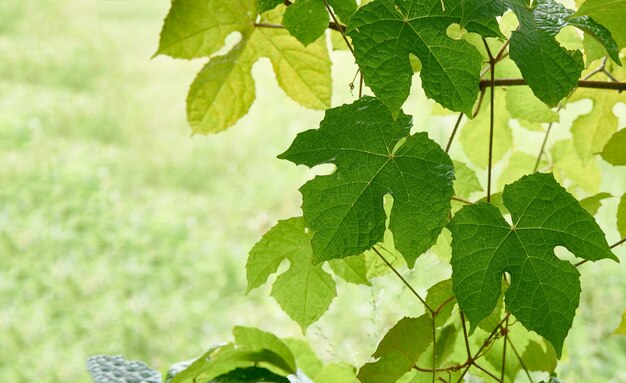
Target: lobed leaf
<point>375,156</point>
<point>544,290</point>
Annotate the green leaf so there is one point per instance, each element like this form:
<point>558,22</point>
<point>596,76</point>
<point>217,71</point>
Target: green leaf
<point>268,5</point>
<point>306,359</point>
<point>519,165</point>
<point>440,296</point>
<point>337,373</point>
<point>254,339</point>
<point>343,8</point>
<point>306,20</point>
<point>614,152</point>
<point>566,165</point>
<point>609,13</point>
<point>621,216</point>
<point>592,131</point>
<point>375,156</point>
<point>304,291</point>
<point>475,133</point>
<point>351,269</point>
<point>224,89</point>
<point>466,181</point>
<point>385,32</point>
<point>198,28</point>
<point>621,329</point>
<point>398,351</point>
<point>551,71</point>
<point>544,290</point>
<point>593,203</point>
<point>250,375</point>
<point>539,356</point>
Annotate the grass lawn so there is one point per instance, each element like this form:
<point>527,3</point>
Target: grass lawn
<point>120,233</point>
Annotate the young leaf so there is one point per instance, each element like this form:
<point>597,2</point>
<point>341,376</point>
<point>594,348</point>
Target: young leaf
<point>198,28</point>
<point>551,71</point>
<point>544,290</point>
<point>539,356</point>
<point>592,131</point>
<point>398,351</point>
<point>304,291</point>
<point>466,181</point>
<point>614,152</point>
<point>593,203</point>
<point>385,32</point>
<point>254,339</point>
<point>306,20</point>
<point>440,297</point>
<point>566,165</point>
<point>621,216</point>
<point>621,329</point>
<point>375,156</point>
<point>268,5</point>
<point>609,13</point>
<point>224,89</point>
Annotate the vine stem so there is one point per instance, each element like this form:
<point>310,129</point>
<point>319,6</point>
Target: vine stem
<point>610,247</point>
<point>332,25</point>
<point>608,85</point>
<point>456,127</point>
<point>506,336</point>
<point>341,28</point>
<point>406,283</point>
<point>521,362</point>
<point>492,64</point>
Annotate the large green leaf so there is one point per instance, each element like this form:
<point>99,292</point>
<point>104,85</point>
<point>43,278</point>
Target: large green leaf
<point>614,152</point>
<point>224,89</point>
<point>375,156</point>
<point>544,290</point>
<point>551,71</point>
<point>398,351</point>
<point>304,291</point>
<point>385,32</point>
<point>609,13</point>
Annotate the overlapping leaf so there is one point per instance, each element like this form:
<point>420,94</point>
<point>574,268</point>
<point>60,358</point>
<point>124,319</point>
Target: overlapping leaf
<point>544,290</point>
<point>609,13</point>
<point>375,156</point>
<point>614,152</point>
<point>304,291</point>
<point>224,89</point>
<point>385,32</point>
<point>551,71</point>
<point>307,20</point>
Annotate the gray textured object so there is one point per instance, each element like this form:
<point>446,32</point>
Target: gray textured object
<point>116,369</point>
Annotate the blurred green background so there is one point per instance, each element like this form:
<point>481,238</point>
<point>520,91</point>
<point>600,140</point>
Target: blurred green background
<point>120,233</point>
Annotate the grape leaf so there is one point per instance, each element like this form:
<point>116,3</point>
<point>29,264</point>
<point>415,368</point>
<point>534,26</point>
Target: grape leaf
<point>385,32</point>
<point>375,156</point>
<point>614,152</point>
<point>609,13</point>
<point>466,181</point>
<point>566,165</point>
<point>621,216</point>
<point>351,269</point>
<point>539,356</point>
<point>223,90</point>
<point>336,373</point>
<point>475,133</point>
<point>398,351</point>
<point>268,5</point>
<point>250,375</point>
<point>440,297</point>
<point>254,339</point>
<point>306,20</point>
<point>593,203</point>
<point>551,71</point>
<point>544,290</point>
<point>590,132</point>
<point>304,291</point>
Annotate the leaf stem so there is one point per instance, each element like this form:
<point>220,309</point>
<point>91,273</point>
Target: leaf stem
<point>506,336</point>
<point>487,372</point>
<point>456,127</point>
<point>492,65</point>
<point>406,283</point>
<point>521,362</point>
<point>467,346</point>
<point>340,28</point>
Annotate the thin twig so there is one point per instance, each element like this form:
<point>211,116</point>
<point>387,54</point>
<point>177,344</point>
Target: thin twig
<point>521,362</point>
<point>492,64</point>
<point>456,127</point>
<point>506,335</point>
<point>341,28</point>
<point>467,346</point>
<point>459,199</point>
<point>406,283</point>
<point>487,372</point>
<point>443,304</point>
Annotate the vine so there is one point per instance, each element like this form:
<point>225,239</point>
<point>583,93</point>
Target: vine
<point>517,296</point>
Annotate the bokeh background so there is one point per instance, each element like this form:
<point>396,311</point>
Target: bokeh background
<point>121,233</point>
